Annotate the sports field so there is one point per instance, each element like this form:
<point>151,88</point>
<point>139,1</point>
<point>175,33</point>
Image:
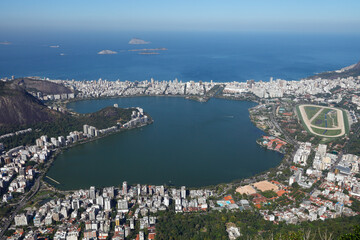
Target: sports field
<point>323,121</point>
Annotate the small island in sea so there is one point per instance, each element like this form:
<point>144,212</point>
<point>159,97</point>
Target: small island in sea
<point>106,52</point>
<point>138,41</point>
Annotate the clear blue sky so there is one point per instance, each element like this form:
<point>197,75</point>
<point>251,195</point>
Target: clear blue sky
<point>181,15</point>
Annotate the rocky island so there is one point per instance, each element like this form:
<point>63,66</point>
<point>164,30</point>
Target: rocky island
<point>138,41</point>
<point>106,52</point>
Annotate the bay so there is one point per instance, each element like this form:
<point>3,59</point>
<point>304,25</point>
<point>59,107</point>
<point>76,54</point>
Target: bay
<point>190,143</point>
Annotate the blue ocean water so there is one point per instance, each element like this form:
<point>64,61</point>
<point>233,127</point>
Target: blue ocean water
<point>218,56</point>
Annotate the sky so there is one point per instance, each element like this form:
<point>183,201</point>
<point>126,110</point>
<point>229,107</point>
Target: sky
<point>180,15</point>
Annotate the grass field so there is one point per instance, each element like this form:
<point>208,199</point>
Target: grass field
<point>311,111</point>
<point>326,118</point>
<point>326,132</point>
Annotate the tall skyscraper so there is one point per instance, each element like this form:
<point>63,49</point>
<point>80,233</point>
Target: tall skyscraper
<point>124,188</point>
<point>92,194</point>
<point>107,205</point>
<point>86,129</point>
<point>183,192</point>
<point>75,204</point>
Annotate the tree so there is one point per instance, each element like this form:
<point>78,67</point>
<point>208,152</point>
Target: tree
<point>354,235</point>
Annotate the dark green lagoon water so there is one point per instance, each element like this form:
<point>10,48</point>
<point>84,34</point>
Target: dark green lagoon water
<point>190,143</point>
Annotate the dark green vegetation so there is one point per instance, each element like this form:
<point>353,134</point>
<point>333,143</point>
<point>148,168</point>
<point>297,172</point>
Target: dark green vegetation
<point>211,225</point>
<point>311,111</point>
<point>354,141</point>
<point>65,123</point>
<point>351,71</point>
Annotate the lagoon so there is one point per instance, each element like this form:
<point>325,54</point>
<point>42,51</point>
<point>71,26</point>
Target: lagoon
<point>190,143</point>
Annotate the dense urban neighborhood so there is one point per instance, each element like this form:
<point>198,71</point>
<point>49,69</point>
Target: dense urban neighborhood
<point>317,180</point>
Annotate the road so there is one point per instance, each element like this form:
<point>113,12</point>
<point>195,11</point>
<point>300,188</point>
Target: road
<point>275,123</point>
<point>35,188</point>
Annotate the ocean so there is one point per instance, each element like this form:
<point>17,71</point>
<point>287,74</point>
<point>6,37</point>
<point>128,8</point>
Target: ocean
<point>218,56</point>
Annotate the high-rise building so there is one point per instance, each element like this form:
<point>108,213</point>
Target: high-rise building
<point>61,140</point>
<point>21,220</point>
<point>44,138</point>
<point>107,204</point>
<point>92,193</point>
<point>166,201</point>
<point>75,204</point>
<point>124,188</point>
<point>39,142</point>
<point>92,131</point>
<point>123,205</point>
<point>138,188</point>
<point>162,190</point>
<point>183,192</point>
<point>322,149</point>
<point>100,201</point>
<point>86,129</point>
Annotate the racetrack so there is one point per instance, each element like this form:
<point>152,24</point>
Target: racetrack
<point>307,122</point>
